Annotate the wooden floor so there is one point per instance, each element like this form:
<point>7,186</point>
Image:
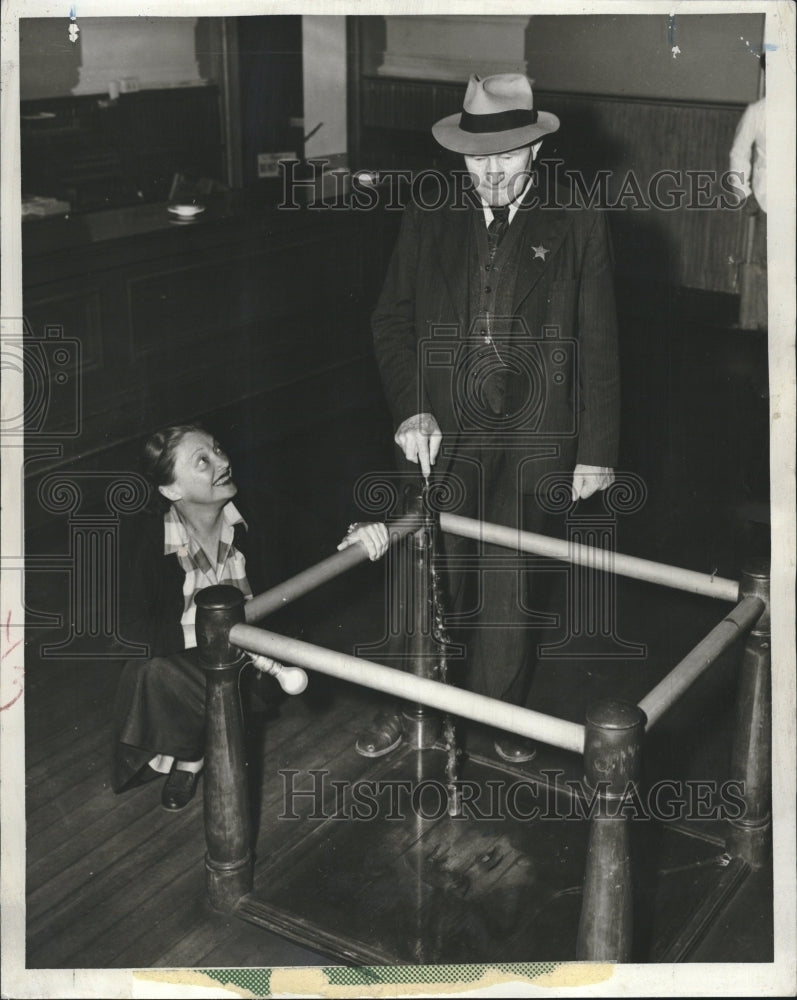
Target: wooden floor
<point>114,881</point>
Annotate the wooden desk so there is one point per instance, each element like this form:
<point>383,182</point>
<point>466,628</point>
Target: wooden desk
<point>164,320</point>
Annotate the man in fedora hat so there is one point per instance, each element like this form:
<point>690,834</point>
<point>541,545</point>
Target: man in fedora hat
<point>495,335</point>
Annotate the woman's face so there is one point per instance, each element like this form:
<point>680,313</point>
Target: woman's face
<point>201,471</point>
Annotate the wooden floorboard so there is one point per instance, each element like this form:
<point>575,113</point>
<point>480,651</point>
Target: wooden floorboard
<point>74,776</point>
<point>93,734</point>
<point>100,820</point>
<point>72,823</point>
<point>156,915</point>
<point>117,866</point>
<point>138,881</point>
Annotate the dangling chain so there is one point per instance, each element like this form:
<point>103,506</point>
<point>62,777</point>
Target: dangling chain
<point>441,637</point>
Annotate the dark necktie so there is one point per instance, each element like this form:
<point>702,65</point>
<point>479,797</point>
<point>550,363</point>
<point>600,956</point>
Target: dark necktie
<point>498,227</point>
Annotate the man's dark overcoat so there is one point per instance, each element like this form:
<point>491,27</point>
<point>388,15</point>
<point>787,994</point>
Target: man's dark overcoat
<point>555,363</point>
<point>563,291</point>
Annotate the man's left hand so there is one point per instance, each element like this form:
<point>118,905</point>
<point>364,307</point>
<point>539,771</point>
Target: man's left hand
<point>588,479</point>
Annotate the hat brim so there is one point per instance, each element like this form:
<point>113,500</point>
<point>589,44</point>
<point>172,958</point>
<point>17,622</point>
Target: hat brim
<point>448,133</point>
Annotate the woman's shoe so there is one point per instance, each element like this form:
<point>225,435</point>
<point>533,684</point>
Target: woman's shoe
<point>142,777</point>
<point>179,789</point>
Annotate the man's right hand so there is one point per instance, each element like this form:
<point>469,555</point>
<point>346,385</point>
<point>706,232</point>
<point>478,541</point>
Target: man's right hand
<point>419,437</point>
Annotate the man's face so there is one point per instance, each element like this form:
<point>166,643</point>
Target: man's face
<point>501,177</point>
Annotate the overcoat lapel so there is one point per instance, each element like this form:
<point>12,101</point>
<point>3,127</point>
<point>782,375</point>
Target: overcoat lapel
<point>451,236</point>
<point>544,228</point>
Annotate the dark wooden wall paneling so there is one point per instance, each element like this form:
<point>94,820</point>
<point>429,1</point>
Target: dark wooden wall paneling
<point>174,324</point>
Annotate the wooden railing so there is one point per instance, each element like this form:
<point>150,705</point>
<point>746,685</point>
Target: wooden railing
<point>611,739</point>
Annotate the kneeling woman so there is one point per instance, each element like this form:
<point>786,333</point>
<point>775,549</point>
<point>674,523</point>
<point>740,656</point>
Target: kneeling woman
<point>199,539</point>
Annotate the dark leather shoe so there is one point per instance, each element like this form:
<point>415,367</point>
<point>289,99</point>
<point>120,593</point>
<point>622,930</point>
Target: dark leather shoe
<point>179,789</point>
<point>142,777</point>
<point>515,749</point>
<point>383,735</point>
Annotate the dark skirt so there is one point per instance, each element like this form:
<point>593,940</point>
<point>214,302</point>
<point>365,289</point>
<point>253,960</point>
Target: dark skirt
<point>160,709</point>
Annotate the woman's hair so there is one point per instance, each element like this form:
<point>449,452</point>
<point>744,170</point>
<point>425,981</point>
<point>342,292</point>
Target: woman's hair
<point>159,452</point>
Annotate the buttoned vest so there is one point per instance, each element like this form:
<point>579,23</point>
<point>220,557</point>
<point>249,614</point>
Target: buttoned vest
<point>491,293</point>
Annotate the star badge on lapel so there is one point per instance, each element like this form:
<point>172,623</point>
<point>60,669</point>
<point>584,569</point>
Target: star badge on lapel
<point>540,252</point>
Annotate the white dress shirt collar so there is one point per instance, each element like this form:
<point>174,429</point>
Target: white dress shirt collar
<point>488,212</point>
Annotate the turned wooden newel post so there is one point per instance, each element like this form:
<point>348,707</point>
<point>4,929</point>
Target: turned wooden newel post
<point>228,860</point>
<point>612,757</point>
<point>422,725</point>
<point>751,761</point>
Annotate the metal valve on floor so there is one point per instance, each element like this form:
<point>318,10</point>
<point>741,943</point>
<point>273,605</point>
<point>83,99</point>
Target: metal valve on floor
<point>292,680</point>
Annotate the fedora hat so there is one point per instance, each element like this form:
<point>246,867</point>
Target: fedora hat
<point>497,114</point>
